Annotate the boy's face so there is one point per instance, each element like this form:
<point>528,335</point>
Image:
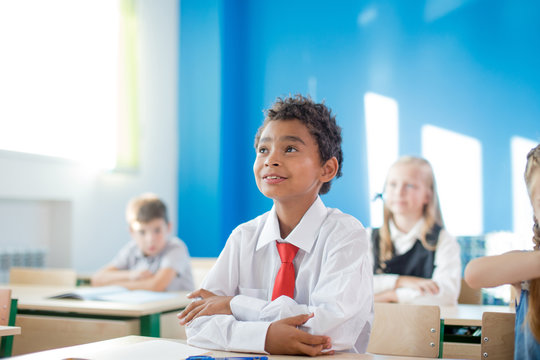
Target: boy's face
<point>288,164</point>
<point>151,237</point>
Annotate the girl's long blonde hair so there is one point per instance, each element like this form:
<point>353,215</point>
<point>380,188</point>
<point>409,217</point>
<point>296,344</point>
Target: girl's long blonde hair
<point>533,314</point>
<point>431,213</point>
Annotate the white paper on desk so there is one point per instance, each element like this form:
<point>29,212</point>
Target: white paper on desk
<point>137,296</point>
<point>151,349</point>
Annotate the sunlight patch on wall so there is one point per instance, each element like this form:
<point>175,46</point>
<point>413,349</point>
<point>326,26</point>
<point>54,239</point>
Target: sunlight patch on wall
<point>457,163</point>
<point>522,209</point>
<point>382,119</point>
<point>59,72</point>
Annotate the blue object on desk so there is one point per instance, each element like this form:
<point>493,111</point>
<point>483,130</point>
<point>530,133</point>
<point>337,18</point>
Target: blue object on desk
<point>228,358</point>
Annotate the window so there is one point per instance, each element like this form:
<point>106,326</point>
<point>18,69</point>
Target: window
<point>60,76</point>
<point>457,162</point>
<point>523,212</point>
<point>382,146</point>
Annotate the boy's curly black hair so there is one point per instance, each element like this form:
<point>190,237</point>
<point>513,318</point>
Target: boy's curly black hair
<point>318,119</point>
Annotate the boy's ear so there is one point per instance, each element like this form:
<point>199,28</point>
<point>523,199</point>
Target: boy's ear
<point>329,169</point>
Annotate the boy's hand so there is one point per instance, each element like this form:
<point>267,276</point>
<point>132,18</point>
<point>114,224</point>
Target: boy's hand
<point>210,304</point>
<point>139,274</point>
<point>388,296</point>
<point>283,337</point>
<point>426,286</point>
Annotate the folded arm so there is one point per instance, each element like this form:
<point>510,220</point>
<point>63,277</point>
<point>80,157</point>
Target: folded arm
<point>509,268</point>
<point>134,279</point>
<point>341,304</point>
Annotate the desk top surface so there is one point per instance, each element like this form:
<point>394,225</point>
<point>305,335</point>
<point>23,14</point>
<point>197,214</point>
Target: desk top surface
<point>102,350</point>
<point>37,297</point>
<point>471,315</point>
<point>9,330</point>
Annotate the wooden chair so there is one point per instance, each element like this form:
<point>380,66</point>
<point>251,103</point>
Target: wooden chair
<point>201,267</point>
<point>406,330</point>
<point>8,313</point>
<point>497,335</point>
<point>468,295</point>
<point>40,276</point>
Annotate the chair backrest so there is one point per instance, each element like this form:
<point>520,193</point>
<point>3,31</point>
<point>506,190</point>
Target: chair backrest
<point>498,335</point>
<point>201,267</point>
<point>5,306</point>
<point>468,295</point>
<point>40,276</point>
<point>407,330</point>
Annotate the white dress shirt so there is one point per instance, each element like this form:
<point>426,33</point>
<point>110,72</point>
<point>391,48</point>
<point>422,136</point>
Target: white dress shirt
<point>447,272</point>
<point>333,281</point>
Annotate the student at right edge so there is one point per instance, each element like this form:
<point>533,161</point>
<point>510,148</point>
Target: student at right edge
<point>521,269</point>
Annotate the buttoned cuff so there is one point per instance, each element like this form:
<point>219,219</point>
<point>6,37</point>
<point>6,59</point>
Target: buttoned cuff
<point>249,336</point>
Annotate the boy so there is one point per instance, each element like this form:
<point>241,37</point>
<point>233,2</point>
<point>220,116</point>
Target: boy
<point>153,260</point>
<point>297,279</point>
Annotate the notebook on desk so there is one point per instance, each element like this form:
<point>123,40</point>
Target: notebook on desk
<point>115,294</point>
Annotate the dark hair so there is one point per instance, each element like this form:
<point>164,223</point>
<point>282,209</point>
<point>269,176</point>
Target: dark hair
<point>318,119</point>
<point>145,208</point>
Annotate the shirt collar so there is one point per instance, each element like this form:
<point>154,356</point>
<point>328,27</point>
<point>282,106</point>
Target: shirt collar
<point>412,235</point>
<point>303,235</point>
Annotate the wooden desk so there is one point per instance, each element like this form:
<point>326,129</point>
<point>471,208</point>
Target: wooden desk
<point>9,330</point>
<point>50,323</point>
<point>466,315</point>
<point>99,350</point>
<point>469,315</point>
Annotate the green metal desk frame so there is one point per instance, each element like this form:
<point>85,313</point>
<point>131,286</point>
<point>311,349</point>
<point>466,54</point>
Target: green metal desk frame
<point>6,345</point>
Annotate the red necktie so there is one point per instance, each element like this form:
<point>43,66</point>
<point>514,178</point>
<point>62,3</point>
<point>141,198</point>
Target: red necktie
<point>284,284</point>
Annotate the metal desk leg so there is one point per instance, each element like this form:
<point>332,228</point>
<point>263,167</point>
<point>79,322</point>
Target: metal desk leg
<point>6,345</point>
<point>441,342</point>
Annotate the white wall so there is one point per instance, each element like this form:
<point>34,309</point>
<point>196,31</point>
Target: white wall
<point>85,210</point>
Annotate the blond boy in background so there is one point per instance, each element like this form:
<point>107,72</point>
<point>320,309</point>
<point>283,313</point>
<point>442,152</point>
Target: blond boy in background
<point>154,260</point>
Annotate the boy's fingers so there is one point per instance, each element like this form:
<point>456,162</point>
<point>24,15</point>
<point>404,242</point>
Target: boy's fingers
<point>309,339</point>
<point>298,319</point>
<point>311,350</point>
<point>205,293</point>
<point>202,293</point>
<point>194,294</point>
<point>192,314</point>
<point>189,308</point>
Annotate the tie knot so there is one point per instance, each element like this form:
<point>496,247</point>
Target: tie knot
<point>286,251</point>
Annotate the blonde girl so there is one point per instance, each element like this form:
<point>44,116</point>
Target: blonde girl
<point>521,269</point>
<point>415,260</point>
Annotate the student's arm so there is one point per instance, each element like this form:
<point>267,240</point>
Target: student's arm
<point>156,282</point>
<point>178,259</point>
<point>382,283</point>
<point>223,331</point>
<point>509,268</point>
<point>444,286</point>
<point>134,279</point>
<point>110,275</point>
<point>341,301</point>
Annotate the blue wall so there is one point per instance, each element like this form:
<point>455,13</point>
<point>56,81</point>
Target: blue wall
<point>467,66</point>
